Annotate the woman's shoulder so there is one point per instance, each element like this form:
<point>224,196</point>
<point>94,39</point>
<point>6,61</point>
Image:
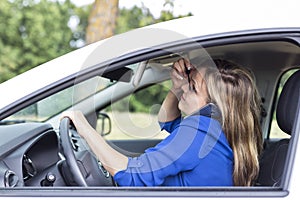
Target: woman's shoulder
<point>201,122</point>
<point>209,115</point>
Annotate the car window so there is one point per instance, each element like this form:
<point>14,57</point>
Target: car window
<point>135,116</point>
<point>58,102</point>
<point>275,131</point>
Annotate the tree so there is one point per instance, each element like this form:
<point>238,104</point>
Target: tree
<point>33,32</point>
<point>128,19</point>
<point>106,19</point>
<point>102,20</point>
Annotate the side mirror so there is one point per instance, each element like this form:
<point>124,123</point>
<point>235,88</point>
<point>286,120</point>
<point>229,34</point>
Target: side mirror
<point>103,124</point>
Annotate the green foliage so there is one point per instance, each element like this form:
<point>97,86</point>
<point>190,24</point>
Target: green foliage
<point>32,32</point>
<point>136,17</point>
<point>133,18</point>
<point>81,14</point>
<point>146,100</point>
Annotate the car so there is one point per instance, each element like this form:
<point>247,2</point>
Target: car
<point>119,84</point>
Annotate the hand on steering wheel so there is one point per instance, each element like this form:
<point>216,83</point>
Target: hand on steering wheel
<point>83,166</point>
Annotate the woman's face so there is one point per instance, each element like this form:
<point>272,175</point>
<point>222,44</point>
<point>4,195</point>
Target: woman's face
<point>194,94</point>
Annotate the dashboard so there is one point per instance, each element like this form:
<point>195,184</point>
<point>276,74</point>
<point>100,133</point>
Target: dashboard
<point>30,156</point>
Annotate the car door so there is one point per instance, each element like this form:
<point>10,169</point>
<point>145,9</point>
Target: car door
<point>267,54</point>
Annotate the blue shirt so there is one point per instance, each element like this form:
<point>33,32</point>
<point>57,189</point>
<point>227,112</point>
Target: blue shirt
<point>196,153</point>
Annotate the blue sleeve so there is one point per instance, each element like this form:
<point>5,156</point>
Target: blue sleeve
<point>170,126</point>
<point>173,155</point>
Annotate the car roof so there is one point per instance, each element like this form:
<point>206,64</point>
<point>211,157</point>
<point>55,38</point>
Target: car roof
<point>142,38</point>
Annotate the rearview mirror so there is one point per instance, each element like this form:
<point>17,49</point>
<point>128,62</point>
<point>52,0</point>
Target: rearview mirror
<point>123,74</point>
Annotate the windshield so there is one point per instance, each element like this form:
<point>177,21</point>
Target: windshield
<point>55,104</point>
<point>58,102</point>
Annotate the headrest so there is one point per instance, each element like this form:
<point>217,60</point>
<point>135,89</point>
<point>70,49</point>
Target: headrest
<point>288,102</point>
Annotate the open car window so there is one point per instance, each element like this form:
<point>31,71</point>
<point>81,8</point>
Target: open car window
<point>135,116</point>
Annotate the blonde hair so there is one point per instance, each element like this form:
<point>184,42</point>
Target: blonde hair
<point>233,90</point>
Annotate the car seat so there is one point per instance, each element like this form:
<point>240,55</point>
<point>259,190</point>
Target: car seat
<point>273,159</point>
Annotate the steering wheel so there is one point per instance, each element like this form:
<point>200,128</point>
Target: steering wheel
<point>84,169</point>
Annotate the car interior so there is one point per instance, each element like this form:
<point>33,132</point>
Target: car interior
<point>273,159</point>
<point>49,152</point>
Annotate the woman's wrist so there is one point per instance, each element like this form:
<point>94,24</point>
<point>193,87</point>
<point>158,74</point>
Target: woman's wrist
<point>177,92</point>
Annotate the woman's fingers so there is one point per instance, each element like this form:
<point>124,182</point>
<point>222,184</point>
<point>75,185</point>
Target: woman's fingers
<point>74,116</point>
<point>179,67</point>
<point>175,73</point>
<point>182,66</point>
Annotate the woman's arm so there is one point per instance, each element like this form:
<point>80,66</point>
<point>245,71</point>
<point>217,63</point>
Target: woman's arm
<point>112,160</point>
<point>169,109</point>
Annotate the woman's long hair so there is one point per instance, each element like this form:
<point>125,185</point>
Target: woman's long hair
<point>233,90</point>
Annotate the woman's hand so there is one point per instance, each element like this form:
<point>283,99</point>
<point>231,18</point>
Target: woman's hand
<point>78,120</point>
<point>179,75</point>
<point>112,160</point>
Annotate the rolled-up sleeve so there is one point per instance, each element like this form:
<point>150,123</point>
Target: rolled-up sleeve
<point>171,125</point>
<point>168,158</point>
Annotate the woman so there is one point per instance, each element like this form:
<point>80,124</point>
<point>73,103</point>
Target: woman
<point>217,143</point>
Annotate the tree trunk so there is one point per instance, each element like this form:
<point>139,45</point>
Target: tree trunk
<point>102,20</point>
